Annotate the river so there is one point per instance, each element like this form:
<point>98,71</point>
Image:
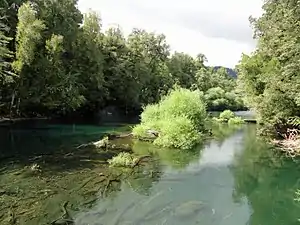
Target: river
<point>235,178</point>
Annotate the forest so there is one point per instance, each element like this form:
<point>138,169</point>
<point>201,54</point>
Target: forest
<point>57,61</point>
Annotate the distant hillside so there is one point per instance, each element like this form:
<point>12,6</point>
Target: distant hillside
<point>230,71</point>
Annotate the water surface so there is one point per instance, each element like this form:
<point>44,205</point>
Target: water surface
<point>239,180</point>
<point>235,178</point>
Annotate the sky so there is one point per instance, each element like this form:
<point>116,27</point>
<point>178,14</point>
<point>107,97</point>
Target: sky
<point>217,28</point>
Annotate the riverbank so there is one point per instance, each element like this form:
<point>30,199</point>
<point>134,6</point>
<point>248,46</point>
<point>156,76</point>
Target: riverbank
<point>7,120</point>
<point>289,146</point>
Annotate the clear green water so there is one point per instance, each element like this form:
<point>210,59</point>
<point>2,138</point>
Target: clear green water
<point>234,179</point>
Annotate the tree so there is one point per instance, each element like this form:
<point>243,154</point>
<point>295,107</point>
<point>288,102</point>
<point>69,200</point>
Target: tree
<point>115,73</point>
<point>216,99</point>
<point>6,74</point>
<point>221,78</point>
<point>150,52</point>
<point>90,62</point>
<point>270,76</point>
<point>183,68</point>
<point>28,38</point>
<point>5,55</point>
<point>47,81</point>
<point>64,63</point>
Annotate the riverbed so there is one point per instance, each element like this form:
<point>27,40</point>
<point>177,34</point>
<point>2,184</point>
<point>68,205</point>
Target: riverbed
<point>233,178</point>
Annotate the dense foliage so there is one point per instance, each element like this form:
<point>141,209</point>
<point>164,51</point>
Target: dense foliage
<point>227,116</point>
<point>55,60</point>
<point>270,76</point>
<point>178,118</point>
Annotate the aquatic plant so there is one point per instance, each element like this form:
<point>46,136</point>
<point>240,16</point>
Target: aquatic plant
<point>123,159</point>
<point>226,115</point>
<point>176,121</point>
<point>235,121</point>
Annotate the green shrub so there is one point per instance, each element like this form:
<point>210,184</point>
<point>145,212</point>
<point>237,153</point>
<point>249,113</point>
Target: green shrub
<point>216,120</point>
<point>226,115</point>
<point>235,120</point>
<point>151,113</point>
<point>140,130</point>
<point>178,132</point>
<point>183,102</point>
<point>123,159</point>
<point>178,118</point>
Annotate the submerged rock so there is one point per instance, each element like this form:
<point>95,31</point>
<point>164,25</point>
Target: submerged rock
<point>188,209</point>
<point>35,167</point>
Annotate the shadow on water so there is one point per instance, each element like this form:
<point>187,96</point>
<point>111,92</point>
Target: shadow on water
<point>53,146</point>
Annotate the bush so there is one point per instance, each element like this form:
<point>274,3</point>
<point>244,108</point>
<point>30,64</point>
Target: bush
<point>151,113</point>
<point>140,130</point>
<point>123,159</point>
<point>179,118</point>
<point>178,132</point>
<point>229,117</point>
<point>235,120</point>
<point>183,102</point>
<point>226,115</point>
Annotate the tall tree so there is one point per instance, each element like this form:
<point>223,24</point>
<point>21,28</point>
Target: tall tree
<point>89,59</point>
<point>5,55</point>
<point>150,52</point>
<point>28,39</point>
<point>271,74</point>
<point>115,72</point>
<point>6,74</point>
<point>183,68</point>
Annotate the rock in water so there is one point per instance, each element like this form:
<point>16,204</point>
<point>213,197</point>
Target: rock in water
<point>102,143</point>
<point>188,209</point>
<point>152,133</point>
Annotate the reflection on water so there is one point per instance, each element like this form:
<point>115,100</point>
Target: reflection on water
<point>174,158</point>
<point>235,178</point>
<point>240,181</point>
<point>267,181</point>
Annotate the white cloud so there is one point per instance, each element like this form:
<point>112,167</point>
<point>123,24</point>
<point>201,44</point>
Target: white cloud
<point>217,28</point>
